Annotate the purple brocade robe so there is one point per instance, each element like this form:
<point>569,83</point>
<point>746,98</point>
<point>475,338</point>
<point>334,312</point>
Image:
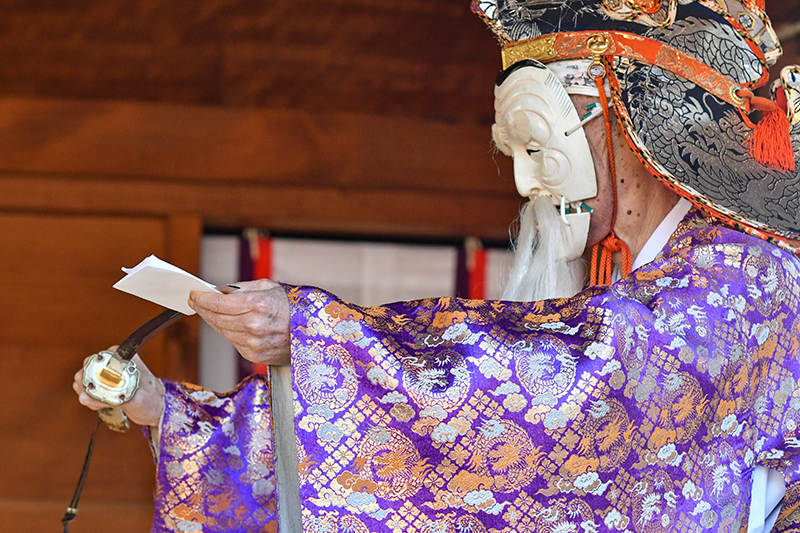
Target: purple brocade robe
<point>642,406</point>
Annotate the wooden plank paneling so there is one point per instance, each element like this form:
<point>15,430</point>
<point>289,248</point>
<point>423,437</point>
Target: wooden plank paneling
<point>41,516</point>
<point>58,307</point>
<point>53,265</point>
<point>783,11</point>
<point>190,142</point>
<point>281,170</point>
<point>429,59</point>
<point>318,210</point>
<point>184,233</point>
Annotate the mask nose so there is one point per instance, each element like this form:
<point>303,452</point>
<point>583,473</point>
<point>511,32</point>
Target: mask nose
<point>526,168</point>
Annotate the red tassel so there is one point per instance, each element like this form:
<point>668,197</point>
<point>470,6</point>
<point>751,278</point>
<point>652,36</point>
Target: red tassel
<point>771,144</point>
<point>602,268</point>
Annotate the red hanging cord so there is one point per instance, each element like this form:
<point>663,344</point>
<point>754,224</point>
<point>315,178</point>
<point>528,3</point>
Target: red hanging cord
<point>602,267</point>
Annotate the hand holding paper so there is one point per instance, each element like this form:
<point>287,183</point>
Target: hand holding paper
<point>255,318</point>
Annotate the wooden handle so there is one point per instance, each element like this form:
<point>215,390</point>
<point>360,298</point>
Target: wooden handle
<point>286,464</point>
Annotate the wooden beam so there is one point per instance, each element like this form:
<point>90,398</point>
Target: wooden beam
<point>285,171</point>
<point>288,209</point>
<point>184,234</point>
<point>127,139</point>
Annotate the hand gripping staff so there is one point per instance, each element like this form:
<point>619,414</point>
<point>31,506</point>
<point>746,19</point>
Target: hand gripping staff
<point>112,378</point>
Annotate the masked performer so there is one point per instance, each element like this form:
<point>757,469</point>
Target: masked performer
<point>664,396</point>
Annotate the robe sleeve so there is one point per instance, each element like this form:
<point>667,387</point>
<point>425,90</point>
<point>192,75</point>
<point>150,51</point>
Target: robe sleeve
<point>214,460</point>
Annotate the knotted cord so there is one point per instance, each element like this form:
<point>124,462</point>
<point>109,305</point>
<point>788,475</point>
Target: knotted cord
<point>602,267</point>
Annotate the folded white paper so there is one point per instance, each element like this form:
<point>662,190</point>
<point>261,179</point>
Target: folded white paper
<point>162,283</point>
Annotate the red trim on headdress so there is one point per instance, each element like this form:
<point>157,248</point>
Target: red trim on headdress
<point>572,45</point>
<point>752,5</point>
<point>766,233</point>
<point>770,144</point>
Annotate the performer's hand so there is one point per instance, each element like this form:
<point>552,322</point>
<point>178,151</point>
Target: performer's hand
<point>144,408</point>
<point>254,318</point>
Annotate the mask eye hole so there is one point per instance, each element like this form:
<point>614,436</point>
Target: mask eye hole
<point>531,151</point>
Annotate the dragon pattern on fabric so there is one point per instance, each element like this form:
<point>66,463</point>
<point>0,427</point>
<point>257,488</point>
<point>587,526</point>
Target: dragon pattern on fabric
<point>641,406</point>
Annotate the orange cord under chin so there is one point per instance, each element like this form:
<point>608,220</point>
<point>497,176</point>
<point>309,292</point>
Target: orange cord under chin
<point>602,267</point>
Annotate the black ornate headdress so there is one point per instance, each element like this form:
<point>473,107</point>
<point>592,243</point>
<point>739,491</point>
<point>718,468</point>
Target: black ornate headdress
<point>681,75</point>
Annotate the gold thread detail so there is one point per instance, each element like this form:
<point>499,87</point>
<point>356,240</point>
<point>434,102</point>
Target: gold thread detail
<point>540,49</point>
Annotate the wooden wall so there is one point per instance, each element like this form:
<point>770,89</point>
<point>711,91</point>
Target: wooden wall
<point>57,308</point>
<point>285,170</point>
<point>128,126</point>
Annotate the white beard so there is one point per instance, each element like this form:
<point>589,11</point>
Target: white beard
<point>539,270</point>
